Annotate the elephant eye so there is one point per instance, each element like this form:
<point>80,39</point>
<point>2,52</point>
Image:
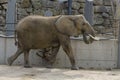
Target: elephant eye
<point>83,23</point>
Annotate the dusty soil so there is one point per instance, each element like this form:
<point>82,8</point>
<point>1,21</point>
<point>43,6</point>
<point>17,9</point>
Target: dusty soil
<point>37,73</point>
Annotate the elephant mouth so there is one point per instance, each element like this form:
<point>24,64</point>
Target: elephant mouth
<point>88,38</point>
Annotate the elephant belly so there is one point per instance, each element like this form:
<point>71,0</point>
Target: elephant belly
<point>37,42</point>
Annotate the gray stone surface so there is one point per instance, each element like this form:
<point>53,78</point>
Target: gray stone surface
<point>25,3</point>
<point>98,19</point>
<point>3,1</point>
<point>105,15</point>
<point>40,7</point>
<point>107,2</point>
<point>99,9</point>
<point>75,5</point>
<point>98,2</point>
<point>48,13</point>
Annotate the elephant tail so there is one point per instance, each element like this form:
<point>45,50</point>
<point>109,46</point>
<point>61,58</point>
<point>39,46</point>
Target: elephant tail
<point>16,42</point>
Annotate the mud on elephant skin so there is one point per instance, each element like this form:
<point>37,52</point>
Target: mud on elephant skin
<point>48,55</point>
<point>38,32</point>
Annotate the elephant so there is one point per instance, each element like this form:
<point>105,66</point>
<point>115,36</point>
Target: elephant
<point>39,32</point>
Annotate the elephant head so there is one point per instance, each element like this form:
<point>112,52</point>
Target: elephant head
<point>74,25</point>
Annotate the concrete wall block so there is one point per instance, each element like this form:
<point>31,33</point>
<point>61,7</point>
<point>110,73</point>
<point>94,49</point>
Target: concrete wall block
<point>100,54</point>
<point>61,60</point>
<point>89,64</point>
<point>2,50</point>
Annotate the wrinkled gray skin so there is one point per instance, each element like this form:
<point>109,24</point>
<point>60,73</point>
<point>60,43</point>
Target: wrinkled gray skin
<point>38,32</point>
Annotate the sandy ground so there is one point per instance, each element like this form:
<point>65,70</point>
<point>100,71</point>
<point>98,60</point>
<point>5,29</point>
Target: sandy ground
<point>37,73</point>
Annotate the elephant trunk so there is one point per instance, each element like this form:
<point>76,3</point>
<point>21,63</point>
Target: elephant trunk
<point>89,33</point>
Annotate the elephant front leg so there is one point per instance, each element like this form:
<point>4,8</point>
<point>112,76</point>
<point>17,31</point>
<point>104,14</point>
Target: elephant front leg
<point>50,55</point>
<point>68,50</point>
<point>55,49</point>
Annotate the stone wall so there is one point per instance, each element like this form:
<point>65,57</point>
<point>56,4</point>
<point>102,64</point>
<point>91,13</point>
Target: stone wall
<point>3,8</point>
<point>103,11</point>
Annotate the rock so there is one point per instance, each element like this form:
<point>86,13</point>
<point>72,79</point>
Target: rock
<point>5,6</point>
<point>0,12</point>
<point>75,12</point>
<point>75,5</point>
<point>3,1</point>
<point>36,5</point>
<point>61,1</point>
<point>3,12</point>
<point>22,12</point>
<point>98,2</point>
<point>39,12</point>
<point>80,1</point>
<point>107,2</point>
<point>100,9</point>
<point>99,29</point>
<point>81,11</point>
<point>105,15</point>
<point>48,13</point>
<point>2,20</point>
<point>106,22</point>
<point>1,8</point>
<point>25,4</point>
<point>29,10</point>
<point>98,19</point>
<point>109,9</point>
<point>53,0</point>
<point>82,5</point>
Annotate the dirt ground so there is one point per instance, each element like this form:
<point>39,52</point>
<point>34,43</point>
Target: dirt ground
<point>37,73</point>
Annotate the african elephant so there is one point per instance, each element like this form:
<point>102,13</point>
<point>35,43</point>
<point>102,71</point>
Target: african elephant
<point>35,32</point>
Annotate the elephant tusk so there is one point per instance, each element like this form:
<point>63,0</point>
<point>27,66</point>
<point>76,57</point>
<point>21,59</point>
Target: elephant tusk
<point>95,38</point>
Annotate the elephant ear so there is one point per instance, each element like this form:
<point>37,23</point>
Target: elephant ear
<point>66,25</point>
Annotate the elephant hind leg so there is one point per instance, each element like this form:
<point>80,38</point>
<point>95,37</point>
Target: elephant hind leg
<point>12,58</point>
<point>26,59</point>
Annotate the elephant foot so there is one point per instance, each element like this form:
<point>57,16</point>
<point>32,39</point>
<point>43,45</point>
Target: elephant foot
<point>74,68</point>
<point>9,60</point>
<point>27,66</point>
